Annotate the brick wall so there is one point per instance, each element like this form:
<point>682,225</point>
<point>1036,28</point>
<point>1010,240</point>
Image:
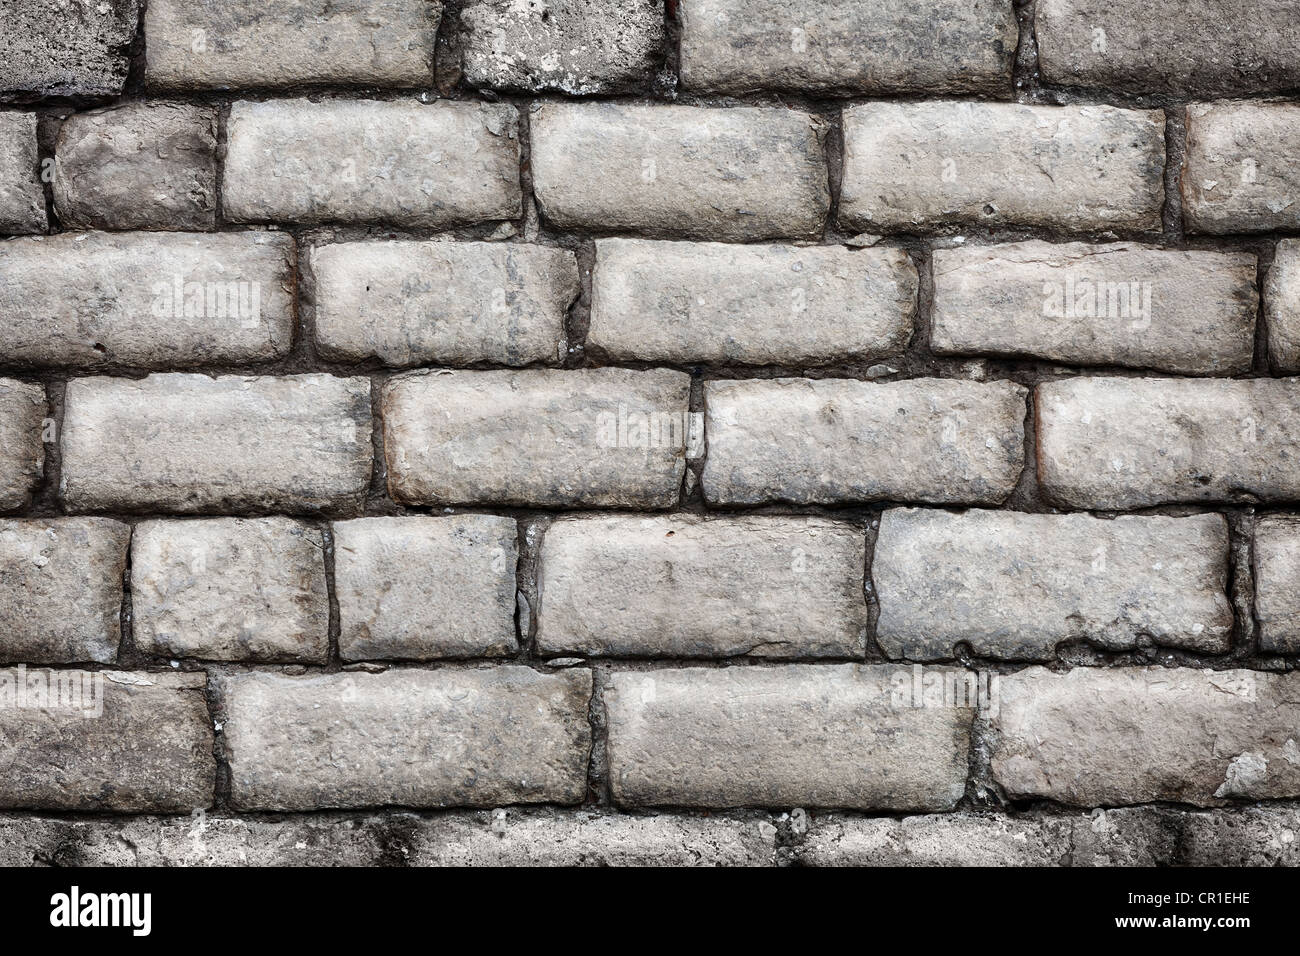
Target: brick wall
<point>746,431</point>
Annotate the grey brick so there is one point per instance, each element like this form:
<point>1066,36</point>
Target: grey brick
<point>1282,308</point>
<point>412,738</point>
<point>66,47</point>
<point>940,839</point>
<point>1191,312</point>
<point>682,586</point>
<point>230,589</point>
<point>22,198</point>
<point>445,303</point>
<point>685,302</point>
<point>1239,173</point>
<point>1277,583</point>
<point>194,444</point>
<point>739,173</point>
<point>22,452</point>
<point>836,440</point>
<point>61,589</point>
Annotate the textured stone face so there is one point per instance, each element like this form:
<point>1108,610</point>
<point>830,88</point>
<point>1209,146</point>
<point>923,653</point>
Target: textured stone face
<point>1282,307</point>
<point>22,453</point>
<point>1099,737</point>
<point>576,47</point>
<point>870,46</point>
<point>912,167</point>
<point>266,43</point>
<point>151,300</point>
<point>401,162</point>
<point>412,738</point>
<point>230,589</point>
<point>1215,47</point>
<point>61,589</point>
<point>593,438</point>
<point>1277,583</point>
<point>123,741</point>
<point>685,587</point>
<point>1189,312</point>
<point>1119,443</point>
<point>445,303</point>
<point>802,735</point>
<point>426,588</point>
<point>194,444</point>
<point>1015,585</point>
<point>835,440</point>
<point>22,199</point>
<point>66,47</point>
<point>939,839</point>
<point>689,302</point>
<point>735,174</point>
<point>138,166</point>
<point>1238,175</point>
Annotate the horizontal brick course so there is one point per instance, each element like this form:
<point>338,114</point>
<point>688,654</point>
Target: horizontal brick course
<point>1277,583</point>
<point>22,198</point>
<point>1282,308</point>
<point>22,451</point>
<point>1238,174</point>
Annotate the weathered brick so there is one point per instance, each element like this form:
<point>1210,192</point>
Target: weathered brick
<point>1015,585</point>
<point>274,43</point>
<point>939,839</point>
<point>152,300</point>
<point>66,47</point>
<point>230,589</point>
<point>832,440</point>
<point>194,444</point>
<point>1117,443</point>
<point>796,735</point>
<point>138,166</point>
<point>594,438</point>
<point>871,46</point>
<point>22,198</point>
<point>422,588</point>
<point>1277,583</point>
<point>916,166</point>
<point>689,302</point>
<point>402,162</point>
<point>1107,736</point>
<point>61,589</point>
<point>576,47</point>
<point>1239,173</point>
<point>450,737</point>
<point>1282,308</point>
<point>446,303</point>
<point>22,451</point>
<point>740,173</point>
<point>123,741</point>
<point>1213,47</point>
<point>1191,312</point>
<point>683,586</point>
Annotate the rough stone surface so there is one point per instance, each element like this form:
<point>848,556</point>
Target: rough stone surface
<point>734,174</point>
<point>445,303</point>
<point>149,300</point>
<point>1239,173</point>
<point>507,734</point>
<point>593,438</point>
<point>1190,312</point>
<point>797,735</point>
<point>138,166</point>
<point>685,302</point>
<point>399,162</point>
<point>422,588</point>
<point>1282,308</point>
<point>1119,443</point>
<point>1016,585</point>
<point>61,589</point>
<point>835,440</point>
<point>865,46</point>
<point>66,47</point>
<point>194,444</point>
<point>22,452</point>
<point>944,839</point>
<point>1213,47</point>
<point>911,167</point>
<point>230,589</point>
<point>273,43</point>
<point>122,741</point>
<point>577,47</point>
<point>1106,736</point>
<point>1277,583</point>
<point>22,199</point>
<point>683,586</point>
